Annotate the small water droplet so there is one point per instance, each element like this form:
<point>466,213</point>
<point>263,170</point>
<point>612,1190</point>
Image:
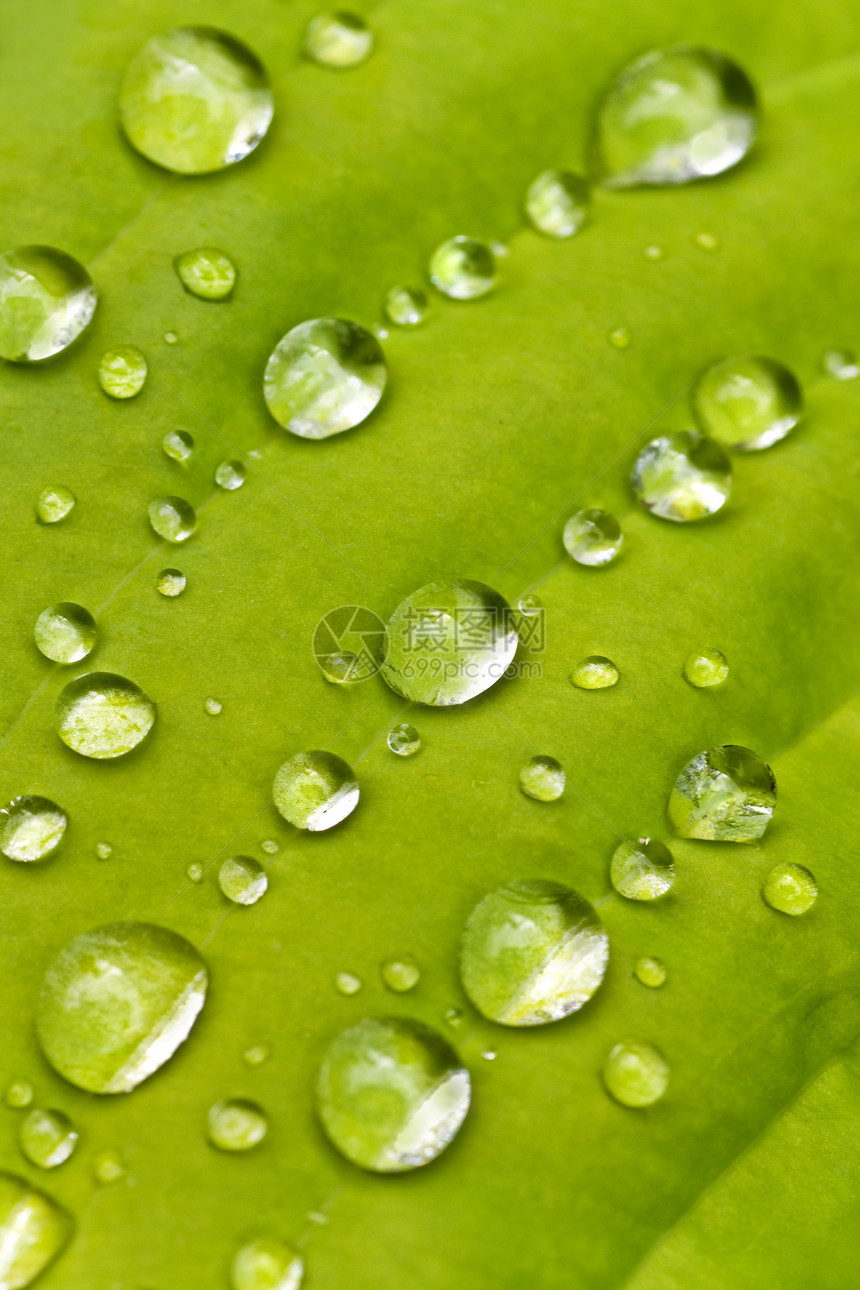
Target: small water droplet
<point>31,828</point>
<point>104,850</point>
<point>34,1230</point>
<point>619,337</point>
<point>488,1055</point>
<point>316,1217</point>
<point>401,973</point>
<point>47,1138</point>
<point>339,39</point>
<point>841,364</point>
<point>194,872</point>
<point>724,794</point>
<point>530,605</point>
<point>256,1055</point>
<point>266,1264</point>
<point>594,673</point>
<point>230,475</point>
<point>172,518</point>
<point>463,268</point>
<point>65,633</point>
<point>178,444</point>
<point>674,115</point>
<point>557,203</point>
<point>404,740</point>
<point>682,476</point>
<point>642,870</point>
<point>171,338</point>
<point>270,846</point>
<point>213,707</point>
<point>54,504</point>
<point>500,249</point>
<point>636,1074</point>
<point>654,252</point>
<point>242,880</point>
<point>206,272</point>
<point>194,100</point>
<point>122,372</point>
<point>117,1002</point>
<point>706,667</point>
<point>103,715</point>
<point>593,537</point>
<point>406,306</point>
<point>650,971</point>
<point>790,888</point>
<point>747,403</point>
<point>171,582</point>
<point>236,1124</point>
<point>46,301</point>
<point>108,1167</point>
<point>454,1017</point>
<point>315,790</point>
<point>543,779</point>
<point>343,668</point>
<point>532,953</point>
<point>19,1094</point>
<point>391,1094</point>
<point>325,376</point>
<point>347,983</point>
<point>707,241</point>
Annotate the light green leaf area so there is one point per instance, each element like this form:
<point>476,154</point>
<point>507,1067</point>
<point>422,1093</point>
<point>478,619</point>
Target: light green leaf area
<point>502,416</point>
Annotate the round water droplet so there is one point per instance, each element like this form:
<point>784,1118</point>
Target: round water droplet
<point>19,1094</point>
<point>343,668</point>
<point>404,740</point>
<point>636,1074</point>
<point>236,1124</point>
<point>532,953</point>
<point>706,241</point>
<point>172,518</point>
<point>315,790</point>
<point>270,846</point>
<point>463,268</point>
<point>325,376</point>
<point>724,794</point>
<point>790,888</point>
<point>557,203</point>
<point>31,828</point>
<point>103,715</point>
<point>454,1017</point>
<point>206,272</point>
<point>674,115</point>
<point>593,537</point>
<point>654,252</point>
<point>619,337</point>
<point>347,983</point>
<point>54,504</point>
<point>171,338</point>
<point>747,403</point>
<point>47,1138</point>
<point>594,673</point>
<point>543,779</point>
<point>448,642</point>
<point>195,100</point>
<point>242,880</point>
<point>256,1055</point>
<point>104,850</point>
<point>266,1264</point>
<point>682,476</point>
<point>46,301</point>
<point>706,667</point>
<point>642,870</point>
<point>213,707</point>
<point>391,1094</point>
<point>122,372</point>
<point>406,306</point>
<point>339,39</point>
<point>650,971</point>
<point>841,364</point>
<point>178,444</point>
<point>230,475</point>
<point>170,582</point>
<point>65,633</point>
<point>530,605</point>
<point>401,973</point>
<point>108,1167</point>
<point>194,872</point>
<point>117,1002</point>
<point>33,1231</point>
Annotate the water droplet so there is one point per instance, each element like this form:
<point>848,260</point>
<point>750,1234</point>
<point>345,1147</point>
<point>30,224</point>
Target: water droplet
<point>213,707</point>
<point>682,476</point>
<point>530,605</point>
<point>171,582</point>
<point>347,983</point>
<point>31,828</point>
<point>841,364</point>
<point>242,880</point>
<point>108,1167</point>
<point>103,715</point>
<point>19,1094</point>
<point>448,642</point>
<point>339,39</point>
<point>172,518</point>
<point>675,115</point>
<point>46,301</point>
<point>594,673</point>
<point>747,403</point>
<point>532,953</point>
<point>266,1264</point>
<point>206,272</point>
<point>171,338</point>
<point>122,372</point>
<point>619,337</point>
<point>344,668</point>
<point>790,888</point>
<point>194,872</point>
<point>391,1094</point>
<point>724,794</point>
<point>636,1074</point>
<point>65,633</point>
<point>178,444</point>
<point>117,1002</point>
<point>463,268</point>
<point>104,850</point>
<point>654,253</point>
<point>454,1017</point>
<point>706,667</point>
<point>642,870</point>
<point>270,846</point>
<point>315,790</point>
<point>54,504</point>
<point>230,475</point>
<point>401,973</point>
<point>557,203</point>
<point>236,1124</point>
<point>593,537</point>
<point>543,779</point>
<point>47,1138</point>
<point>33,1231</point>
<point>488,1055</point>
<point>404,740</point>
<point>650,971</point>
<point>325,376</point>
<point>256,1055</point>
<point>706,241</point>
<point>195,100</point>
<point>406,306</point>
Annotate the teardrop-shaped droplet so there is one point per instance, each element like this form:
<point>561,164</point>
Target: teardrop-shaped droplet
<point>558,202</point>
<point>178,444</point>
<point>170,582</point>
<point>682,476</point>
<point>242,880</point>
<point>236,1124</point>
<point>315,790</point>
<point>46,301</point>
<point>642,870</point>
<point>340,39</point>
<point>404,740</point>
<point>47,1139</point>
<point>543,779</point>
<point>172,518</point>
<point>54,504</point>
<point>705,668</point>
<point>650,971</point>
<point>31,828</point>
<point>463,268</point>
<point>593,537</point>
<point>596,672</point>
<point>724,794</point>
<point>636,1074</point>
<point>230,475</point>
<point>122,372</point>
<point>790,888</point>
<point>266,1263</point>
<point>401,973</point>
<point>34,1230</point>
<point>747,403</point>
<point>325,376</point>
<point>103,715</point>
<point>406,306</point>
<point>65,633</point>
<point>206,272</point>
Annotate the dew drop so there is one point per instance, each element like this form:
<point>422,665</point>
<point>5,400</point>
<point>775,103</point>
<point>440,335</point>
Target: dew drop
<point>104,850</point>
<point>594,673</point>
<point>790,888</point>
<point>122,372</point>
<point>65,633</point>
<point>34,1230</point>
<point>170,582</point>
<point>530,605</point>
<point>256,1055</point>
<point>593,537</point>
<point>454,1018</point>
<point>47,1138</point>
<point>46,301</point>
<point>117,1002</point>
<point>724,794</point>
<point>178,444</point>
<point>343,668</point>
<point>463,268</point>
<point>194,872</point>
<point>31,828</point>
<point>489,1055</point>
<point>325,376</point>
<point>532,953</point>
<point>747,403</point>
<point>404,740</point>
<point>347,983</point>
<point>54,504</point>
<point>654,252</point>
<point>108,1167</point>
<point>206,272</point>
<point>194,100</point>
<point>266,1264</point>
<point>242,880</point>
<point>391,1094</point>
<point>401,973</point>
<point>642,870</point>
<point>230,475</point>
<point>543,779</point>
<point>103,715</point>
<point>236,1124</point>
<point>172,518</point>
<point>706,667</point>
<point>619,337</point>
<point>636,1074</point>
<point>315,790</point>
<point>340,39</point>
<point>171,338</point>
<point>706,241</point>
<point>381,333</point>
<point>406,306</point>
<point>270,846</point>
<point>841,364</point>
<point>682,476</point>
<point>19,1094</point>
<point>650,971</point>
<point>212,707</point>
<point>558,202</point>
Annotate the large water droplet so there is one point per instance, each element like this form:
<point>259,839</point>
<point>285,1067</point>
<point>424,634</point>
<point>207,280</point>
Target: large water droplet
<point>675,115</point>
<point>54,504</point>
<point>532,952</point>
<point>557,203</point>
<point>236,1124</point>
<point>724,794</point>
<point>747,403</point>
<point>636,1074</point>
<point>242,880</point>
<point>682,476</point>
<point>404,740</point>
<point>448,642</point>
<point>19,1094</point>
<point>47,1139</point>
<point>841,364</point>
<point>790,888</point>
<point>31,828</point>
<point>65,633</point>
<point>339,39</point>
<point>406,306</point>
<point>593,537</point>
<point>170,582</point>
<point>463,268</point>
<point>391,1094</point>
<point>172,518</point>
<point>596,672</point>
<point>178,444</point>
<point>642,870</point>
<point>325,376</point>
<point>706,667</point>
<point>206,272</point>
<point>315,790</point>
<point>46,301</point>
<point>266,1264</point>
<point>103,715</point>
<point>122,372</point>
<point>401,973</point>
<point>650,971</point>
<point>543,779</point>
<point>195,100</point>
<point>230,475</point>
<point>33,1231</point>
